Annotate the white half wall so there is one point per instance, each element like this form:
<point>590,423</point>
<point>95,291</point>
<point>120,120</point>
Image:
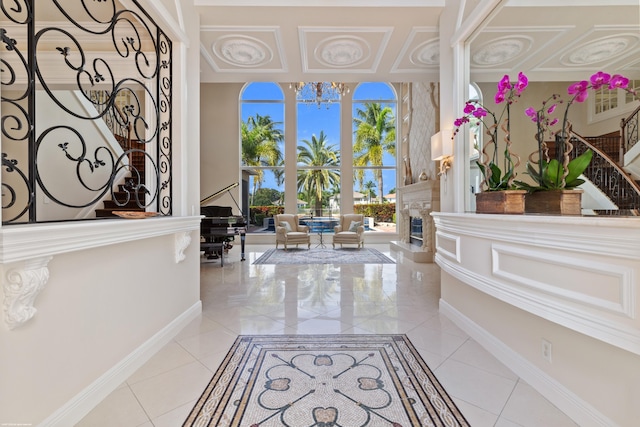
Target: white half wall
<point>511,281</point>
<point>98,306</point>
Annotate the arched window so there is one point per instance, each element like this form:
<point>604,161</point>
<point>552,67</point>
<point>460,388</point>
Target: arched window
<point>262,143</point>
<point>374,143</point>
<point>318,162</point>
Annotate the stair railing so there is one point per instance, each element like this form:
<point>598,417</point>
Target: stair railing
<point>604,172</point>
<point>629,133</point>
<point>115,119</point>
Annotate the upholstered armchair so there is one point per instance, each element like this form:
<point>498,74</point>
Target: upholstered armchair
<point>289,231</point>
<point>349,230</point>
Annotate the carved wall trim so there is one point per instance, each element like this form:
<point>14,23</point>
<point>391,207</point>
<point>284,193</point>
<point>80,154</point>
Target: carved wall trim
<point>405,226</point>
<point>182,242</point>
<point>21,284</point>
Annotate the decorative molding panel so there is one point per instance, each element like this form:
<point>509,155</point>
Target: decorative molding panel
<point>421,50</point>
<point>183,240</point>
<point>448,245</point>
<point>543,275</point>
<point>21,284</point>
<point>501,51</point>
<point>242,51</point>
<point>600,50</point>
<point>427,54</point>
<point>340,49</point>
<point>253,49</point>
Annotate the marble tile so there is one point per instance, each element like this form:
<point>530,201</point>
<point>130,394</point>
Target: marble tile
<point>208,343</point>
<point>439,342</point>
<point>174,418</point>
<point>382,324</point>
<point>506,423</point>
<point>165,392</point>
<point>475,386</point>
<point>170,357</point>
<point>527,408</point>
<point>322,326</point>
<point>442,323</point>
<point>119,409</point>
<point>475,416</point>
<point>474,354</point>
<point>196,327</point>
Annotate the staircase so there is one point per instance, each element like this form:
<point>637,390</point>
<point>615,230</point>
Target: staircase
<point>605,170</point>
<point>131,195</point>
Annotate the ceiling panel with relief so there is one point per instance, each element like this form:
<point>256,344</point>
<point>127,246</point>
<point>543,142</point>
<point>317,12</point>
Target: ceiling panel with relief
<point>398,41</point>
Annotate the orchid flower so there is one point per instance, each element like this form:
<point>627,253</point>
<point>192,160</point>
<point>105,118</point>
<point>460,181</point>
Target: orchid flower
<point>618,81</point>
<point>522,83</point>
<point>579,91</point>
<point>599,79</point>
<point>476,113</point>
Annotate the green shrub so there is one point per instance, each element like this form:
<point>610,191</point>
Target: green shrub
<point>384,212</point>
<point>259,213</point>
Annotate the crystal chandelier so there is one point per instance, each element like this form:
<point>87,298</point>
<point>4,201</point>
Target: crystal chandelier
<point>319,92</point>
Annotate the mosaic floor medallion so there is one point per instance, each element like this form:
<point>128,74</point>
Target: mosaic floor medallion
<point>324,381</point>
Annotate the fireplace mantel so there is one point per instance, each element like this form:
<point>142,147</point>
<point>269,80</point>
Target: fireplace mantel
<point>417,200</point>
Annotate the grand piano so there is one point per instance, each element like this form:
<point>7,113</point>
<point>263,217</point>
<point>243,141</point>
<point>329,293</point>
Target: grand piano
<point>219,227</point>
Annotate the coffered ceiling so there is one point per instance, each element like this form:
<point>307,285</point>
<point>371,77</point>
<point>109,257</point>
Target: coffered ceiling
<point>397,40</point>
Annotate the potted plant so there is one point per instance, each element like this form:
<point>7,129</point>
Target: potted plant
<point>556,179</point>
<point>497,164</point>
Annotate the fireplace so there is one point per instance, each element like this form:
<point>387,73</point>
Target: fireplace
<point>415,227</point>
<point>415,231</point>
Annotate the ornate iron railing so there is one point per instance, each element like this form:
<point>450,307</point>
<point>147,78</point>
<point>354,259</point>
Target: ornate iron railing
<point>114,117</point>
<point>629,130</point>
<point>55,165</point>
<point>608,176</point>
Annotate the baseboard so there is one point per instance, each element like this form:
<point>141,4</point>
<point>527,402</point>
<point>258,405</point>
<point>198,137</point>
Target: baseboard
<point>568,402</point>
<point>79,406</point>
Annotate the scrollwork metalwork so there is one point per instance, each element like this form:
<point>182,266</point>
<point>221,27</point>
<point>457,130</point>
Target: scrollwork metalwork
<point>123,78</point>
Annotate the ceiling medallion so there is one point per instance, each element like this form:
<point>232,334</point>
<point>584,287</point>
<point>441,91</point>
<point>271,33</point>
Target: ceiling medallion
<point>597,51</point>
<point>319,92</point>
<point>427,53</point>
<point>242,51</point>
<point>342,51</point>
<point>500,51</point>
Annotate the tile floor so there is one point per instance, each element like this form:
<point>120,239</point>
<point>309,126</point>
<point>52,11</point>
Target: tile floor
<point>242,298</point>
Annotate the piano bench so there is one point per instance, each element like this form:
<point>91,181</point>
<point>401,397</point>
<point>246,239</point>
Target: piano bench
<point>212,248</point>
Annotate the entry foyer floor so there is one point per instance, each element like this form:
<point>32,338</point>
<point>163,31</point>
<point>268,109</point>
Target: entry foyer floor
<point>245,299</point>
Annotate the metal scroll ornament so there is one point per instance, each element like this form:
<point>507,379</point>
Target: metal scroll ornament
<point>86,110</point>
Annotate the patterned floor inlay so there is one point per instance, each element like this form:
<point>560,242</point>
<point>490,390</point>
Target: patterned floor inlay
<point>324,256</point>
<point>324,381</point>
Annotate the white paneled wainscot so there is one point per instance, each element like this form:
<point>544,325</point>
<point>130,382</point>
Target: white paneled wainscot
<point>514,282</point>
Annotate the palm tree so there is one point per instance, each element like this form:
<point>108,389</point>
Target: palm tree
<point>375,134</point>
<point>260,146</point>
<point>368,189</point>
<point>317,155</point>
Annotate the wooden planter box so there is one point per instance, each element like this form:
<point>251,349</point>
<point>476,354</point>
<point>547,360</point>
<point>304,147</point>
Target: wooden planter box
<point>500,202</point>
<point>557,202</point>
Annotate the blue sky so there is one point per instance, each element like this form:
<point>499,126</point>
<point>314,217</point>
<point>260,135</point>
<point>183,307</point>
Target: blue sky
<point>312,120</point>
